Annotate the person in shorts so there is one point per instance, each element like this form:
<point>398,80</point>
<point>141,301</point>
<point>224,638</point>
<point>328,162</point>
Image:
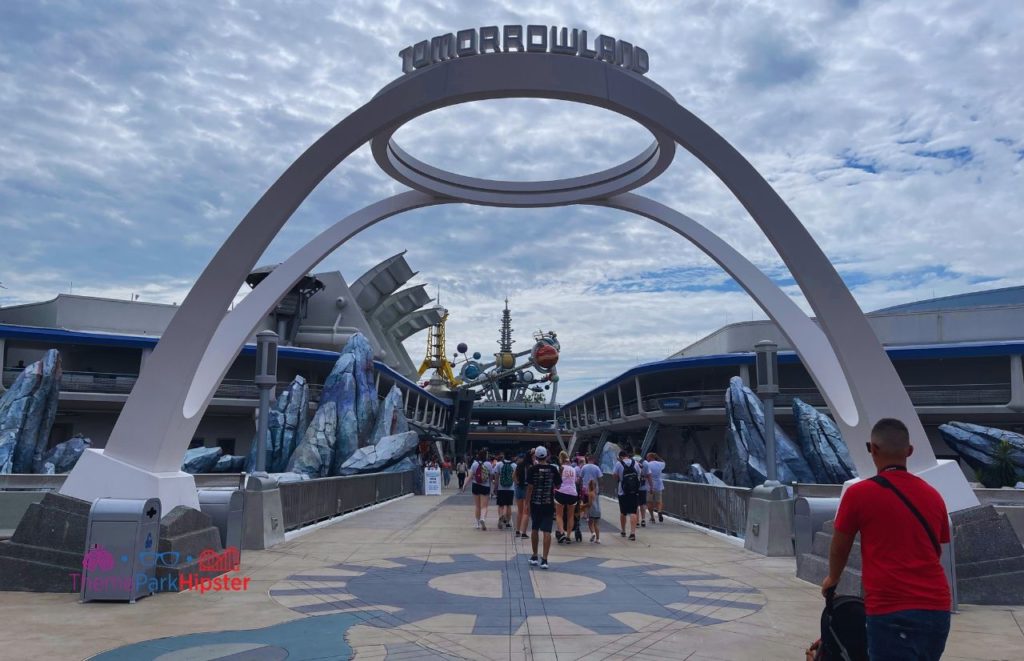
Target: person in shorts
<point>522,507</point>
<point>656,468</point>
<point>480,483</point>
<point>460,472</point>
<point>566,499</point>
<point>645,483</point>
<point>505,482</point>
<point>542,480</point>
<point>590,477</point>
<point>627,475</point>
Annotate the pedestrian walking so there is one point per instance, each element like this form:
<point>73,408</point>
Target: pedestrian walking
<point>593,512</point>
<point>645,479</point>
<point>627,477</point>
<point>505,480</point>
<point>566,498</point>
<point>446,471</point>
<point>656,500</point>
<point>541,482</point>
<point>522,505</point>
<point>590,476</point>
<point>480,484</point>
<point>902,522</point>
<point>460,472</point>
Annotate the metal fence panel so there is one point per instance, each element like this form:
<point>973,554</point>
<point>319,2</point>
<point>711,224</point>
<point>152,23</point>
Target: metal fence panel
<point>716,507</point>
<point>309,501</point>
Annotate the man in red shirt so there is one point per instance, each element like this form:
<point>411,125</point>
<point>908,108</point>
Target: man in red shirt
<point>902,521</point>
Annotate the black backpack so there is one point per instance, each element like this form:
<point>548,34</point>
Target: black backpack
<point>630,479</point>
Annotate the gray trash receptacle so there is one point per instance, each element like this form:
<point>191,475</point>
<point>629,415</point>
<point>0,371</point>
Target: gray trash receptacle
<point>224,507</point>
<point>121,549</point>
<point>810,515</point>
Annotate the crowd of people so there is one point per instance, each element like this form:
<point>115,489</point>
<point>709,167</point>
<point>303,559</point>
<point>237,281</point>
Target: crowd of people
<point>559,496</point>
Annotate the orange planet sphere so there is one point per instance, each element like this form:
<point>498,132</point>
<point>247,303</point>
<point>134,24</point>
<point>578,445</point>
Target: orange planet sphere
<point>545,356</point>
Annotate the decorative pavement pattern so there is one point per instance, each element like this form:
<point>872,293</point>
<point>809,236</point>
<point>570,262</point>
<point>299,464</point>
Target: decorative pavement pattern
<point>305,638</point>
<point>594,594</point>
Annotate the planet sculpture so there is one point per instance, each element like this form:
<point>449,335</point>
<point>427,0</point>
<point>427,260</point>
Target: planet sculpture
<point>544,355</point>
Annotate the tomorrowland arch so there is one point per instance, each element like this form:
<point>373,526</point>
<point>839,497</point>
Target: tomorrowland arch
<point>143,456</point>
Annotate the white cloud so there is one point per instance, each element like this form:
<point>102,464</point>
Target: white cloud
<point>136,136</point>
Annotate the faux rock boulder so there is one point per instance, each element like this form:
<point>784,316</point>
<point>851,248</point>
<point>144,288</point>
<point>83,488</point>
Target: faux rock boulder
<point>390,417</point>
<point>696,473</point>
<point>285,427</point>
<point>230,463</point>
<point>996,455</point>
<point>609,456</point>
<point>372,458</point>
<point>315,453</point>
<point>27,410</point>
<point>408,464</point>
<point>366,390</point>
<point>745,442</point>
<point>201,460</point>
<point>822,445</point>
<point>63,456</point>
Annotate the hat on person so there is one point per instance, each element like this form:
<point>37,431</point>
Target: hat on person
<point>541,452</point>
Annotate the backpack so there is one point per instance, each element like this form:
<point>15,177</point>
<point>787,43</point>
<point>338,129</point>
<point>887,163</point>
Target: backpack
<point>630,479</point>
<point>505,475</point>
<point>483,472</point>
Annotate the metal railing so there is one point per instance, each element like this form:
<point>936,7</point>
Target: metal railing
<point>31,482</point>
<point>310,501</point>
<point>121,384</point>
<point>719,508</point>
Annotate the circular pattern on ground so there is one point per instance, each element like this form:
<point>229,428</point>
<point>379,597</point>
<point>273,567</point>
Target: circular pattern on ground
<point>595,594</point>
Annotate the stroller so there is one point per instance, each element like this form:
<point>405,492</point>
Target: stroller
<point>843,630</point>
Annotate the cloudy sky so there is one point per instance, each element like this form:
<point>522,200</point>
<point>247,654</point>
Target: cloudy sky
<point>135,136</point>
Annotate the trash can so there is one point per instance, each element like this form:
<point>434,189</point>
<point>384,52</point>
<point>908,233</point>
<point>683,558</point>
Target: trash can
<point>810,517</point>
<point>224,507</point>
<point>121,549</point>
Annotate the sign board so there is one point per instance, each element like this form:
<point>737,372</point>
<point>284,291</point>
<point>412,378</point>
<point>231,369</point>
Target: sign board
<point>432,482</point>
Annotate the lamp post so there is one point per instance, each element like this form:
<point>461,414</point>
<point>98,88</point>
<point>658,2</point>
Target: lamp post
<point>767,388</point>
<point>266,380</point>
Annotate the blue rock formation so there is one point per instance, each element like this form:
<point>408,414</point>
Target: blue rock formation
<point>745,442</point>
<point>285,427</point>
<point>366,390</point>
<point>822,445</point>
<point>390,417</point>
<point>372,458</point>
<point>63,456</point>
<point>609,456</point>
<point>230,463</point>
<point>315,453</point>
<point>996,455</point>
<point>696,473</point>
<point>27,411</point>
<point>408,464</point>
<point>201,460</point>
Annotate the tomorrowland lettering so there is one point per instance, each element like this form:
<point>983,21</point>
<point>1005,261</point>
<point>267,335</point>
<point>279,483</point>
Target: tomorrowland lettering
<point>514,39</point>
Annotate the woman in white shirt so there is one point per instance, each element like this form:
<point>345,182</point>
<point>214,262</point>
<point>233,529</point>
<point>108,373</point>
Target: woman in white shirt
<point>566,498</point>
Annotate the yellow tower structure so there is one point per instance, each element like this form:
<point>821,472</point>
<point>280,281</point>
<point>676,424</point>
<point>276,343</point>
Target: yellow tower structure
<point>437,354</point>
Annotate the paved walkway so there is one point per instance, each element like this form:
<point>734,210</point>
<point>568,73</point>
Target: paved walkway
<point>413,579</point>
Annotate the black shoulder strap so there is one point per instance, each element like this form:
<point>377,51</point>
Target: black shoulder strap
<point>878,479</point>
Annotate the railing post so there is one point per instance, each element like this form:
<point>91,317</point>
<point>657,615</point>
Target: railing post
<point>1016,383</point>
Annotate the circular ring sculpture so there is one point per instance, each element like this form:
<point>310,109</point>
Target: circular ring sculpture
<point>619,179</point>
<point>840,351</point>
